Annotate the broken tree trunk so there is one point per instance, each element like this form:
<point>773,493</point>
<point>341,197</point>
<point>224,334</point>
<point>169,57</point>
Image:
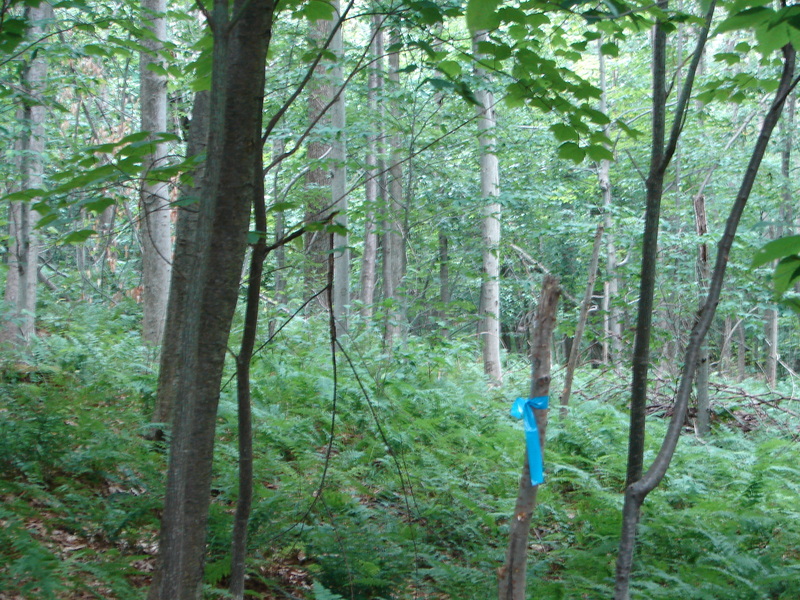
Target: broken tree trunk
<point>511,575</point>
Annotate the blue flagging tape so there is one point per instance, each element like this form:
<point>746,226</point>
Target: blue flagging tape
<point>518,410</point>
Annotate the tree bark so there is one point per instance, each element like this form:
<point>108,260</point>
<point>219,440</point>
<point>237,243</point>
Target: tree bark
<point>636,492</point>
<point>512,575</point>
<point>318,179</point>
<point>186,251</point>
<point>612,342</point>
<point>23,262</point>
<point>393,237</point>
<point>575,351</point>
<point>241,39</point>
<point>371,185</point>
<point>244,501</point>
<point>703,366</point>
<point>155,207</point>
<point>660,158</point>
<point>489,326</point>
<point>341,252</point>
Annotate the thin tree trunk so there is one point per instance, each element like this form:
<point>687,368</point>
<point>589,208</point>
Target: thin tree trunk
<point>245,420</point>
<point>237,88</point>
<point>371,186</point>
<point>741,355</point>
<point>660,158</point>
<point>20,292</point>
<point>612,342</point>
<point>156,222</point>
<point>575,351</point>
<point>393,237</point>
<point>489,327</point>
<point>703,367</point>
<point>512,575</point>
<point>341,251</point>
<point>186,252</point>
<point>318,179</point>
<point>636,492</point>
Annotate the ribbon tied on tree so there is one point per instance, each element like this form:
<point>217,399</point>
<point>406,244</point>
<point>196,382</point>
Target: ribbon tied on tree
<point>523,409</point>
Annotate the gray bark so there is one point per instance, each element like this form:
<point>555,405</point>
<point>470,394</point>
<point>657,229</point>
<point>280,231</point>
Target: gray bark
<point>23,267</point>
<point>703,366</point>
<point>636,492</point>
<point>237,89</point>
<point>393,238</point>
<point>489,326</point>
<point>341,252</point>
<point>155,207</point>
<point>512,575</point>
<point>318,179</point>
<point>371,186</point>
<point>186,251</point>
<point>612,342</point>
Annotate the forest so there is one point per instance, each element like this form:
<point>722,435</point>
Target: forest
<point>399,299</point>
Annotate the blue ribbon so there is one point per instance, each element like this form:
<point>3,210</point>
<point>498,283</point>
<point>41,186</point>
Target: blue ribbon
<point>535,460</point>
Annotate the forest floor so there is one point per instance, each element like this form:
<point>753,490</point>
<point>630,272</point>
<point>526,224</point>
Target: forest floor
<point>419,478</point>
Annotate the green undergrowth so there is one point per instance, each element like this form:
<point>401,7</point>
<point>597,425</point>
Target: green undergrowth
<point>410,497</point>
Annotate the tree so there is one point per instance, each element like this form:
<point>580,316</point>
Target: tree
<point>637,491</point>
<point>155,205</point>
<point>20,292</point>
<point>489,329</point>
<point>242,33</point>
<point>512,575</point>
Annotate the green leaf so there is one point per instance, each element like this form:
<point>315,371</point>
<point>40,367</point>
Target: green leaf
<point>98,206</point>
<point>571,151</point>
<point>609,49</point>
<point>786,274</point>
<point>776,249</point>
<point>564,133</point>
<point>482,14</point>
<point>598,152</point>
<point>78,237</point>
<point>746,19</point>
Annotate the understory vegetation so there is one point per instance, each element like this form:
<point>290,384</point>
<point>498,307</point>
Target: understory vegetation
<point>410,498</point>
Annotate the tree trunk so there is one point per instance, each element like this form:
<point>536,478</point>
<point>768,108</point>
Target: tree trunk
<point>318,179</point>
<point>244,500</point>
<point>341,251</point>
<point>703,366</point>
<point>23,262</point>
<point>489,327</point>
<point>393,237</point>
<point>512,575</point>
<point>237,90</point>
<point>660,158</point>
<point>186,251</point>
<point>575,351</point>
<point>612,342</point>
<point>371,185</point>
<point>636,492</point>
<point>155,207</point>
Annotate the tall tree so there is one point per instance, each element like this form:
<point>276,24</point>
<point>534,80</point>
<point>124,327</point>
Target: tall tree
<point>318,178</point>
<point>512,575</point>
<point>489,329</point>
<point>394,250</point>
<point>186,248</point>
<point>242,32</point>
<point>661,154</point>
<point>637,491</point>
<point>341,250</point>
<point>372,188</point>
<point>155,207</point>
<point>23,262</point>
